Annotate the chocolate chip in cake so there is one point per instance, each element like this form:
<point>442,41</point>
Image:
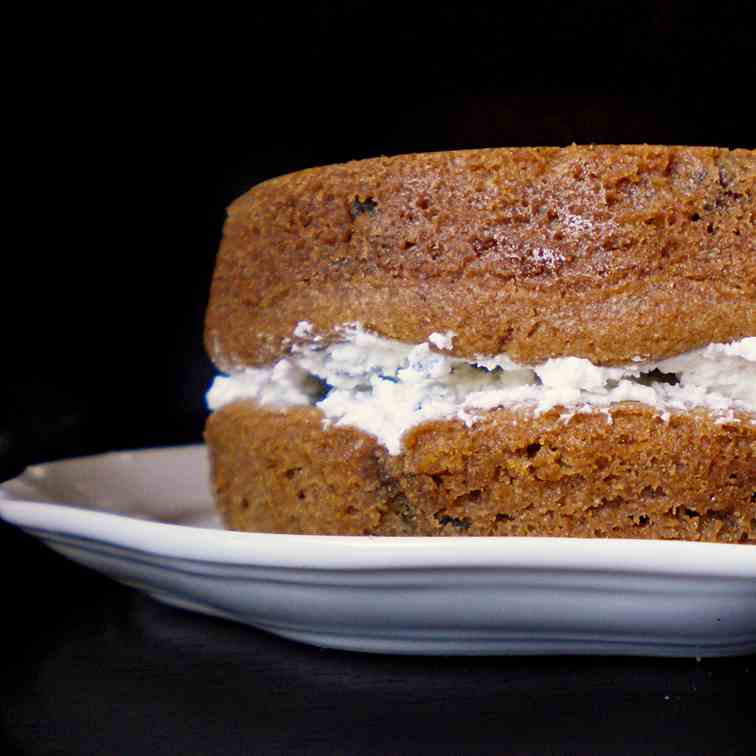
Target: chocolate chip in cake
<point>460,523</point>
<point>368,205</point>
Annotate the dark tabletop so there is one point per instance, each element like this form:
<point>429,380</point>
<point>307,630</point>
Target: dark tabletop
<point>138,132</point>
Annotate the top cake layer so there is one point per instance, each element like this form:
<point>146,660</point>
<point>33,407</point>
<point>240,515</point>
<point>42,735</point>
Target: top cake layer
<point>612,253</point>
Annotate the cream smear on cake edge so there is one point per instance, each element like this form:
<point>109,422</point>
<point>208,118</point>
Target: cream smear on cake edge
<point>385,387</point>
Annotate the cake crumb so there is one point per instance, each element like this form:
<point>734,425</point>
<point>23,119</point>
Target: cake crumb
<point>442,340</point>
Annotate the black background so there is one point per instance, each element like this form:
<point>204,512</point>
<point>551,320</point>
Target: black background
<point>134,132</point>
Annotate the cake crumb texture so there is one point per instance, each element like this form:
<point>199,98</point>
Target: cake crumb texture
<point>511,473</point>
<point>602,252</point>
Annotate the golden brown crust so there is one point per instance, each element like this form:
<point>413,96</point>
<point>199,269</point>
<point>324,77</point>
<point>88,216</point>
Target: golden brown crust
<point>603,252</point>
<point>511,473</point>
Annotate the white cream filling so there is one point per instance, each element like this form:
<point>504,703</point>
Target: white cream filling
<point>386,387</point>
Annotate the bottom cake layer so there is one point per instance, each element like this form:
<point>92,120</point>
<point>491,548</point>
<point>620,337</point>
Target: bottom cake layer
<point>624,474</point>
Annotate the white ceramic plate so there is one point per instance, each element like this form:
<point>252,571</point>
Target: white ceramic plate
<point>401,595</point>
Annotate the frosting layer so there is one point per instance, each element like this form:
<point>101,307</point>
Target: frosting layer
<point>386,387</point>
